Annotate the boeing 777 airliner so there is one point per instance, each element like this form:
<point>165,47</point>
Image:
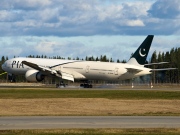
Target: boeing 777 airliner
<point>36,69</point>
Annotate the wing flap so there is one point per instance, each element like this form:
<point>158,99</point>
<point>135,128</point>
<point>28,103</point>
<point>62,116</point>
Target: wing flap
<point>67,76</point>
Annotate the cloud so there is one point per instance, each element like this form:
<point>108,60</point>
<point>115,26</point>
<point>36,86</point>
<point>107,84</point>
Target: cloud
<point>23,5</point>
<point>165,9</point>
<point>70,18</point>
<point>117,47</point>
<point>135,23</point>
<point>45,47</point>
<point>66,27</point>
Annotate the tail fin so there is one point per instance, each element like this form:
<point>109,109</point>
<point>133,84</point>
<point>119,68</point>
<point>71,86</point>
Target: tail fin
<point>140,55</point>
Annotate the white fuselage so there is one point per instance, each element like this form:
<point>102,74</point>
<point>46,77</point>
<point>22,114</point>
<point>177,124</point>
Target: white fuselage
<point>87,70</point>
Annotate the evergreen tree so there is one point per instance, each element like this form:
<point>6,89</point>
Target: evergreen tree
<point>154,57</point>
<point>97,59</point>
<point>154,60</point>
<point>118,61</point>
<point>123,61</point>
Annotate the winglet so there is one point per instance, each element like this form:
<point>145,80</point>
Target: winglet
<point>140,55</point>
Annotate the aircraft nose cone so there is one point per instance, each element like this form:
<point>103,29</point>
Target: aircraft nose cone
<point>2,66</point>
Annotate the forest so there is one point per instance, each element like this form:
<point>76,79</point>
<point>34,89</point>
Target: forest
<point>170,76</point>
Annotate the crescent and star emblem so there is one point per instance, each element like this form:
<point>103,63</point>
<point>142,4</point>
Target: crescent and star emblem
<point>140,53</point>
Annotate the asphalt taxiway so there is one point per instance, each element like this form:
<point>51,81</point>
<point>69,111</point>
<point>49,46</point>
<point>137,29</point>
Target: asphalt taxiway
<point>57,122</point>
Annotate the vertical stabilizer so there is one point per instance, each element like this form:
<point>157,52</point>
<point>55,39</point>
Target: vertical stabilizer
<point>140,55</point>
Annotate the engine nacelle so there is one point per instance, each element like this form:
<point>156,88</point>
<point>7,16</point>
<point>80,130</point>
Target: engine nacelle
<point>34,76</point>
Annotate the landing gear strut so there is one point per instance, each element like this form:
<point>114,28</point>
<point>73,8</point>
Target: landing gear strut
<point>11,78</point>
<point>61,84</point>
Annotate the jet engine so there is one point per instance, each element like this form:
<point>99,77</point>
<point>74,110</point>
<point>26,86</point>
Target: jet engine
<point>34,76</point>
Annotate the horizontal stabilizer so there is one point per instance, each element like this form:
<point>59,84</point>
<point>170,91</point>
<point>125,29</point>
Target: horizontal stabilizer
<point>163,69</point>
<point>156,63</point>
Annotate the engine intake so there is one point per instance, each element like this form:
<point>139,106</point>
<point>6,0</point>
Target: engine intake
<point>34,76</point>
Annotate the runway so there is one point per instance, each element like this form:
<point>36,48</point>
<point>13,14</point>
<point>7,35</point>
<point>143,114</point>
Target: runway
<point>59,122</point>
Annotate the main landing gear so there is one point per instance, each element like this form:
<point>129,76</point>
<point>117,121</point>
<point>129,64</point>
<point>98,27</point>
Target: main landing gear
<point>86,84</point>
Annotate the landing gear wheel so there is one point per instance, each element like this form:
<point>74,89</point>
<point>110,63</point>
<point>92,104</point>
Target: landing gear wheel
<point>86,85</point>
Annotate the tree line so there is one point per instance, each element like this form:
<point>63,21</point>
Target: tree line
<point>170,76</point>
<point>102,58</point>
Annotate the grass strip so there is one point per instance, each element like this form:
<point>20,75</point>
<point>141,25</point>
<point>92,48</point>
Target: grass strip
<point>28,93</point>
<point>93,132</point>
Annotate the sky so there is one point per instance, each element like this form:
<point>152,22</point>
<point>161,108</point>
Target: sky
<point>80,28</point>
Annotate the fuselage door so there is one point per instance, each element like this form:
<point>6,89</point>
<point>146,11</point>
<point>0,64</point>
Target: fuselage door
<point>116,71</point>
<point>87,69</point>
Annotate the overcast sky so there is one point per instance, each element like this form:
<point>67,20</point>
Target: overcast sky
<point>87,27</point>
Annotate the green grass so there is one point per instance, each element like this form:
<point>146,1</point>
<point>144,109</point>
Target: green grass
<point>29,93</point>
<point>93,132</point>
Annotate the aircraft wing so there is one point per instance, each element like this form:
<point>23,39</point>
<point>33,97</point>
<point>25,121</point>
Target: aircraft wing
<point>47,70</point>
<point>32,65</point>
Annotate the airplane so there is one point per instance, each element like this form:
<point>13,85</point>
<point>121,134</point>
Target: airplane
<point>36,69</point>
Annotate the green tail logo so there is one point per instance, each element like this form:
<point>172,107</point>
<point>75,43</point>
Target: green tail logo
<point>142,52</point>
